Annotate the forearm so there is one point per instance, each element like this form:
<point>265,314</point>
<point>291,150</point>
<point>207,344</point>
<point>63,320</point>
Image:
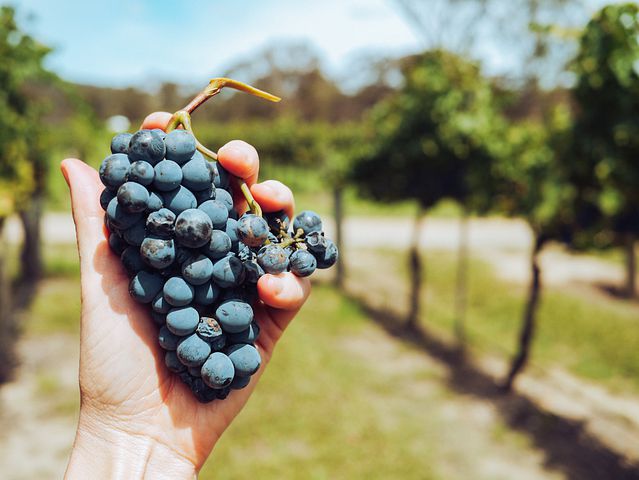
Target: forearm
<point>106,453</point>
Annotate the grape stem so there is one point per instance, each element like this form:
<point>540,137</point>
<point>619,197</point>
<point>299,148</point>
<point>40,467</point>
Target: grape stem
<point>183,117</point>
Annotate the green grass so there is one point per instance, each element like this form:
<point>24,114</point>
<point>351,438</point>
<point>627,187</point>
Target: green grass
<point>593,336</point>
<point>315,414</point>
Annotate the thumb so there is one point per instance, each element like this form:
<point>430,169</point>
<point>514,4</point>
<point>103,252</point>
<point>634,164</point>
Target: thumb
<point>85,188</point>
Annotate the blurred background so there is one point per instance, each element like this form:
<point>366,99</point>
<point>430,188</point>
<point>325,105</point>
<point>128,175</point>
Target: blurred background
<point>477,162</point>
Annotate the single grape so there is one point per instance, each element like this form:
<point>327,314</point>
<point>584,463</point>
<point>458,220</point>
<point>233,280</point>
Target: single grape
<point>196,175</point>
<point>155,203</point>
<point>147,145</point>
<point>253,271</point>
<point>168,176</point>
<point>141,172</point>
<point>145,286</point>
<point>211,332</point>
<point>205,195</point>
<point>239,383</point>
<point>234,315</point>
<point>245,358</point>
<point>221,177</point>
<point>117,243</point>
<point>218,246</point>
<point>167,339</point>
<point>249,335</point>
<point>161,223</point>
<point>217,212</point>
<point>120,143</point>
<point>302,263</point>
<point>206,294</point>
<point>203,392</point>
<point>225,198</point>
<point>132,260</point>
<point>135,235</point>
<point>180,146</point>
<point>316,243</point>
<point>178,292</point>
<point>329,257</point>
<point>228,272</point>
<point>197,270</point>
<point>273,259</point>
<point>182,321</point>
<point>118,217</point>
<point>231,231</point>
<point>193,351</point>
<point>179,200</point>
<point>193,228</point>
<point>252,230</point>
<point>218,370</point>
<point>160,305</point>
<point>105,198</point>
<point>158,253</point>
<point>113,170</point>
<point>308,221</point>
<point>173,362</point>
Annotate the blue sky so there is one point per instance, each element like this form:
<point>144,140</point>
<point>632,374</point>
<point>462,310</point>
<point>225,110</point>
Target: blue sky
<point>119,42</point>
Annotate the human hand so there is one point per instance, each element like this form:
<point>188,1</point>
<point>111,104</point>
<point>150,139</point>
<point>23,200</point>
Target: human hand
<point>137,419</point>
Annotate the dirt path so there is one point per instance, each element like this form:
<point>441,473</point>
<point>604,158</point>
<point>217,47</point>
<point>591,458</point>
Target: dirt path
<point>473,440</point>
<point>39,408</point>
<point>612,419</point>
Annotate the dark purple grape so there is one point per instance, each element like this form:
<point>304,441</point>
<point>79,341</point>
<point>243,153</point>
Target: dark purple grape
<point>273,259</point>
<point>147,145</point>
<point>180,146</point>
<point>218,370</point>
<point>193,228</point>
<point>113,170</point>
<point>252,230</point>
<point>308,221</point>
<point>120,143</point>
<point>302,263</point>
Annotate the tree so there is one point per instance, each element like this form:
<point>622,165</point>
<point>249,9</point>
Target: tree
<point>607,125</point>
<point>434,139</point>
<point>22,163</point>
<point>533,185</point>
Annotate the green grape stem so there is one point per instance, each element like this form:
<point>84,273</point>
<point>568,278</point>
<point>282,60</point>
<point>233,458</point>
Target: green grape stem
<point>183,117</point>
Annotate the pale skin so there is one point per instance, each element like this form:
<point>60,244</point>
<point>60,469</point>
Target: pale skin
<point>137,420</point>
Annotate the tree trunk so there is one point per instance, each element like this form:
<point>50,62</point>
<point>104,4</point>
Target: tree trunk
<point>31,252</point>
<point>461,281</point>
<point>7,326</point>
<point>529,320</point>
<point>415,268</point>
<point>338,213</point>
<point>631,266</point>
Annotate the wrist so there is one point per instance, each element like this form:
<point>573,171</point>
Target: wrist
<point>105,452</point>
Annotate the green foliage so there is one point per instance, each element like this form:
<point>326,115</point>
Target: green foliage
<point>436,138</point>
<point>607,125</point>
<point>529,178</point>
<point>22,139</point>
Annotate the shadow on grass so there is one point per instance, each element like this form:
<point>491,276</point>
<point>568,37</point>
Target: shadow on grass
<point>567,446</point>
<point>616,292</point>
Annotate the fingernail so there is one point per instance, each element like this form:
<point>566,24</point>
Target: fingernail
<point>268,190</point>
<point>274,284</point>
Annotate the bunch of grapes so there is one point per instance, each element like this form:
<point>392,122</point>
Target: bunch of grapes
<point>193,259</point>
